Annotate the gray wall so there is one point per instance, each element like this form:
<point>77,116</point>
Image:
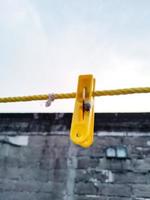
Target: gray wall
<point>38,161</point>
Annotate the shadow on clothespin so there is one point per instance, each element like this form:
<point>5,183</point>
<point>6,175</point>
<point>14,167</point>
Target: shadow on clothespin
<point>82,126</point>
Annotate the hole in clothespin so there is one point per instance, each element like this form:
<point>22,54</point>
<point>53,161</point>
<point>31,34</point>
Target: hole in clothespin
<point>86,104</point>
<point>84,93</point>
<point>78,134</point>
<point>83,96</point>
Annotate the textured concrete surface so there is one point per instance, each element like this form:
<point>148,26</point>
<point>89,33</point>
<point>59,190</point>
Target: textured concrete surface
<point>38,161</point>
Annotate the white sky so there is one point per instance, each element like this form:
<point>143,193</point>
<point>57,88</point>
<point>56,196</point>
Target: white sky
<point>46,44</point>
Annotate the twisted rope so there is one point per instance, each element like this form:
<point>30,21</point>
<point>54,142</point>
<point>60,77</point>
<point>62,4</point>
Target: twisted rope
<point>73,94</point>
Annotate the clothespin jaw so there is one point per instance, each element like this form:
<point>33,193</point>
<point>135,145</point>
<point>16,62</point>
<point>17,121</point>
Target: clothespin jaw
<point>82,126</point>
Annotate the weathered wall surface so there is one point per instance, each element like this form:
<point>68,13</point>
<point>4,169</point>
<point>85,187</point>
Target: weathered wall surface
<point>38,161</point>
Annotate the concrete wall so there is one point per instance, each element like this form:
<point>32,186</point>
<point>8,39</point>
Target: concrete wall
<point>38,161</point>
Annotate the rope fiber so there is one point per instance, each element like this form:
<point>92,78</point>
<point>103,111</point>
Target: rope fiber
<point>73,95</point>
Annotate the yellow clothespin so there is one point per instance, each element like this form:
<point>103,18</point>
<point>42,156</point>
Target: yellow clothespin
<point>82,126</point>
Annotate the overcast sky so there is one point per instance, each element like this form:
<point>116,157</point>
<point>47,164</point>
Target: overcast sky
<point>46,44</point>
